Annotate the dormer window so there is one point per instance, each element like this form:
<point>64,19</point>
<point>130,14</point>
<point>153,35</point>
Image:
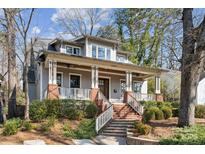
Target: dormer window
<point>69,49</point>
<point>101,53</point>
<point>94,51</point>
<point>72,50</point>
<point>108,54</point>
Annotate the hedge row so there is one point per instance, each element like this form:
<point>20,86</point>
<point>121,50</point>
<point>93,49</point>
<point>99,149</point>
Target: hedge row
<point>72,109</point>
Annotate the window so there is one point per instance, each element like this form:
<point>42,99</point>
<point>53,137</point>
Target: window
<point>94,51</point>
<point>76,51</point>
<point>72,50</point>
<point>101,53</point>
<point>69,49</point>
<point>74,81</point>
<point>59,77</point>
<point>121,58</point>
<point>108,54</point>
<point>137,87</point>
<point>122,87</point>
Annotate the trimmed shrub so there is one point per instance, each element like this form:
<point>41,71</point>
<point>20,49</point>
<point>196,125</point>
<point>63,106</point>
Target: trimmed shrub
<point>142,129</point>
<point>175,112</point>
<point>37,110</point>
<point>11,126</point>
<point>53,108</point>
<point>27,126</point>
<point>148,115</point>
<point>167,112</point>
<point>175,104</point>
<point>159,114</point>
<point>74,114</point>
<point>152,113</point>
<point>200,111</point>
<point>91,110</point>
<point>46,126</point>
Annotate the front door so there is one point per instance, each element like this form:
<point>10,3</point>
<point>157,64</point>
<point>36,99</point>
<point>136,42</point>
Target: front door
<point>104,86</point>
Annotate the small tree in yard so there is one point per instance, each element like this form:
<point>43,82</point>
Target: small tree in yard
<point>193,64</point>
<point>22,25</point>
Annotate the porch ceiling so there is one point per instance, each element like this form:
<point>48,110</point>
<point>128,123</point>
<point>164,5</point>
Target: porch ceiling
<point>104,65</point>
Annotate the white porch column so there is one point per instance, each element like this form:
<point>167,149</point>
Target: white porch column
<point>52,70</point>
<point>128,81</point>
<point>157,85</point>
<point>94,77</point>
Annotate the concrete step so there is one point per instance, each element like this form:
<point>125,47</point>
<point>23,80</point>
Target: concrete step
<point>115,134</point>
<point>122,122</point>
<point>120,125</point>
<point>115,128</point>
<point>114,131</point>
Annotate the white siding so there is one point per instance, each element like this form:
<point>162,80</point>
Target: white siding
<point>201,90</point>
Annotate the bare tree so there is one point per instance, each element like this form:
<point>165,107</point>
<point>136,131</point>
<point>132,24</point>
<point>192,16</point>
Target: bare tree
<point>9,44</point>
<point>193,64</point>
<point>23,25</point>
<point>80,21</point>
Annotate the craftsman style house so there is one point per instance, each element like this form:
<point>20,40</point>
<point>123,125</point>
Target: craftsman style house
<point>93,68</point>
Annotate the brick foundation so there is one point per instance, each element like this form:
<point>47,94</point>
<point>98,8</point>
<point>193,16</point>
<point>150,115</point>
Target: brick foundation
<point>159,98</point>
<point>125,97</point>
<point>53,92</point>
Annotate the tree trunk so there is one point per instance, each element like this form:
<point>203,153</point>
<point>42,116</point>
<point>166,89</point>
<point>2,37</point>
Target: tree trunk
<point>189,83</point>
<point>12,72</point>
<point>25,82</point>
<point>193,61</point>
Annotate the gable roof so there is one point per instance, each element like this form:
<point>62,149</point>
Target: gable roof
<point>97,39</point>
<point>58,40</point>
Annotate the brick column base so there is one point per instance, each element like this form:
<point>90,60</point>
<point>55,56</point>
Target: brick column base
<point>159,98</point>
<point>125,96</point>
<point>52,91</point>
<point>94,94</point>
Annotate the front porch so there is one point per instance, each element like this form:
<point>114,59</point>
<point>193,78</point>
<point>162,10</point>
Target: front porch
<point>72,81</point>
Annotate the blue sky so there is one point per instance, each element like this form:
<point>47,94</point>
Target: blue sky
<point>42,21</point>
<point>43,24</point>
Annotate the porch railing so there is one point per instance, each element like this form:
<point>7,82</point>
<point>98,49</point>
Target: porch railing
<point>106,115</point>
<point>74,93</point>
<point>144,97</point>
<point>135,104</point>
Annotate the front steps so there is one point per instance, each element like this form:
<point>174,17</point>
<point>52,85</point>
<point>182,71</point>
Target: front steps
<point>123,118</point>
<point>124,111</point>
<point>117,128</point>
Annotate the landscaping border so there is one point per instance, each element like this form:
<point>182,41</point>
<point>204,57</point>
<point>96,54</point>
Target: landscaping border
<point>132,140</point>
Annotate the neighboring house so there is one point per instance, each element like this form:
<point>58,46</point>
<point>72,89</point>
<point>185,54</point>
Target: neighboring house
<point>201,90</point>
<point>173,80</point>
<point>85,63</point>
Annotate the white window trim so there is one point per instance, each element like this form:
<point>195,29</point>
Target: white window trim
<point>109,78</point>
<point>73,49</point>
<point>76,75</point>
<point>61,78</point>
<point>101,46</point>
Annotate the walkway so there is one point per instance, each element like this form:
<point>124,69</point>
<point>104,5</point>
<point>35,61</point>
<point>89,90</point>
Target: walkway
<point>102,140</point>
